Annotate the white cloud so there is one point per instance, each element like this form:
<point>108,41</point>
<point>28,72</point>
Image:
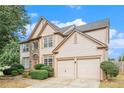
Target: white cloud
<point>77,7</point>
<point>121,35</point>
<point>33,15</point>
<point>76,22</point>
<point>113,33</point>
<point>29,28</point>
<point>116,42</point>
<point>116,39</point>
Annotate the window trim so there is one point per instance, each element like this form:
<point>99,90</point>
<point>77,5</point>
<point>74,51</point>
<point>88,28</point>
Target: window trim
<point>48,41</point>
<point>48,56</point>
<point>25,48</point>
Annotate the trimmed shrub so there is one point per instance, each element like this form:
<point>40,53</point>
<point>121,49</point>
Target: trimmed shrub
<point>14,68</point>
<point>38,66</point>
<point>14,73</point>
<point>39,74</point>
<point>48,68</point>
<point>20,71</point>
<point>110,69</point>
<point>7,71</point>
<point>50,73</point>
<point>18,66</point>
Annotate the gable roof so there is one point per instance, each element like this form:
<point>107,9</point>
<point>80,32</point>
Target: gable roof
<point>102,45</point>
<point>64,31</point>
<point>35,28</point>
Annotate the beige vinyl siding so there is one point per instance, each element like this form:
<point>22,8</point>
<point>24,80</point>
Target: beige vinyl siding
<point>38,29</point>
<point>23,54</point>
<point>100,35</point>
<point>84,47</point>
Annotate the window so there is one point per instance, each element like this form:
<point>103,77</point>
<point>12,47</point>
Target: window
<point>35,45</point>
<point>48,41</point>
<point>26,62</point>
<point>48,60</point>
<point>25,47</point>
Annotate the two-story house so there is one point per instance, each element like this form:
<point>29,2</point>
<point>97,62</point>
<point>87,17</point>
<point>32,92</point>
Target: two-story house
<point>73,51</point>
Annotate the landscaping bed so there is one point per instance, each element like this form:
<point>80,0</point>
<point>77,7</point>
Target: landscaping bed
<point>117,82</point>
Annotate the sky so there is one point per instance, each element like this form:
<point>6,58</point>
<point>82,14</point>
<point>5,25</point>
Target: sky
<point>78,15</point>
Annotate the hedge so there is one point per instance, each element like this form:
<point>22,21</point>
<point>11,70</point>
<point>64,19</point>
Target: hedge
<point>14,73</point>
<point>20,71</point>
<point>48,68</point>
<point>39,74</point>
<point>18,66</point>
<point>38,66</point>
<point>50,73</point>
<point>13,69</point>
<point>7,71</point>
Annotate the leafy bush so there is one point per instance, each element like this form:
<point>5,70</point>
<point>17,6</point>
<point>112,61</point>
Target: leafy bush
<point>39,74</point>
<point>14,72</point>
<point>7,71</point>
<point>49,69</point>
<point>20,71</point>
<point>50,73</point>
<point>109,68</point>
<point>38,66</point>
<point>18,66</point>
<point>14,68</point>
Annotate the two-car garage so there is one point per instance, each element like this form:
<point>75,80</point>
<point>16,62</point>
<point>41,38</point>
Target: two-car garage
<point>79,68</point>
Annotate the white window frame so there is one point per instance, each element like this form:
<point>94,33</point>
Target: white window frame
<point>25,48</point>
<point>48,59</point>
<point>48,41</point>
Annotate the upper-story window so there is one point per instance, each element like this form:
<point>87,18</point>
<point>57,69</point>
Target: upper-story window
<point>25,48</point>
<point>35,45</point>
<point>48,41</point>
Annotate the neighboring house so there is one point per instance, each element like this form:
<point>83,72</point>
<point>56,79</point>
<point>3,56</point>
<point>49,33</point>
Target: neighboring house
<point>73,51</point>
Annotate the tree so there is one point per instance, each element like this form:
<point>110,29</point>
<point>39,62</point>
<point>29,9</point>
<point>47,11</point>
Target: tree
<point>110,69</point>
<point>13,20</point>
<point>10,54</point>
<point>119,58</point>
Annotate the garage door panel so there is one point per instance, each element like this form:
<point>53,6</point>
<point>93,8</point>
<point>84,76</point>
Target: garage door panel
<point>89,69</point>
<point>83,69</point>
<point>66,69</point>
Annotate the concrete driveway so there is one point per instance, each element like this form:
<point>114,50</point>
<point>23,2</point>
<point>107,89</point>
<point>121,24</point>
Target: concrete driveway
<point>64,83</point>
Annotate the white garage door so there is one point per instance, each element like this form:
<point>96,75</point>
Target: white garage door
<point>89,69</point>
<point>66,69</point>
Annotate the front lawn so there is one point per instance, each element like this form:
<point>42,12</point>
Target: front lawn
<point>12,84</point>
<point>117,82</point>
